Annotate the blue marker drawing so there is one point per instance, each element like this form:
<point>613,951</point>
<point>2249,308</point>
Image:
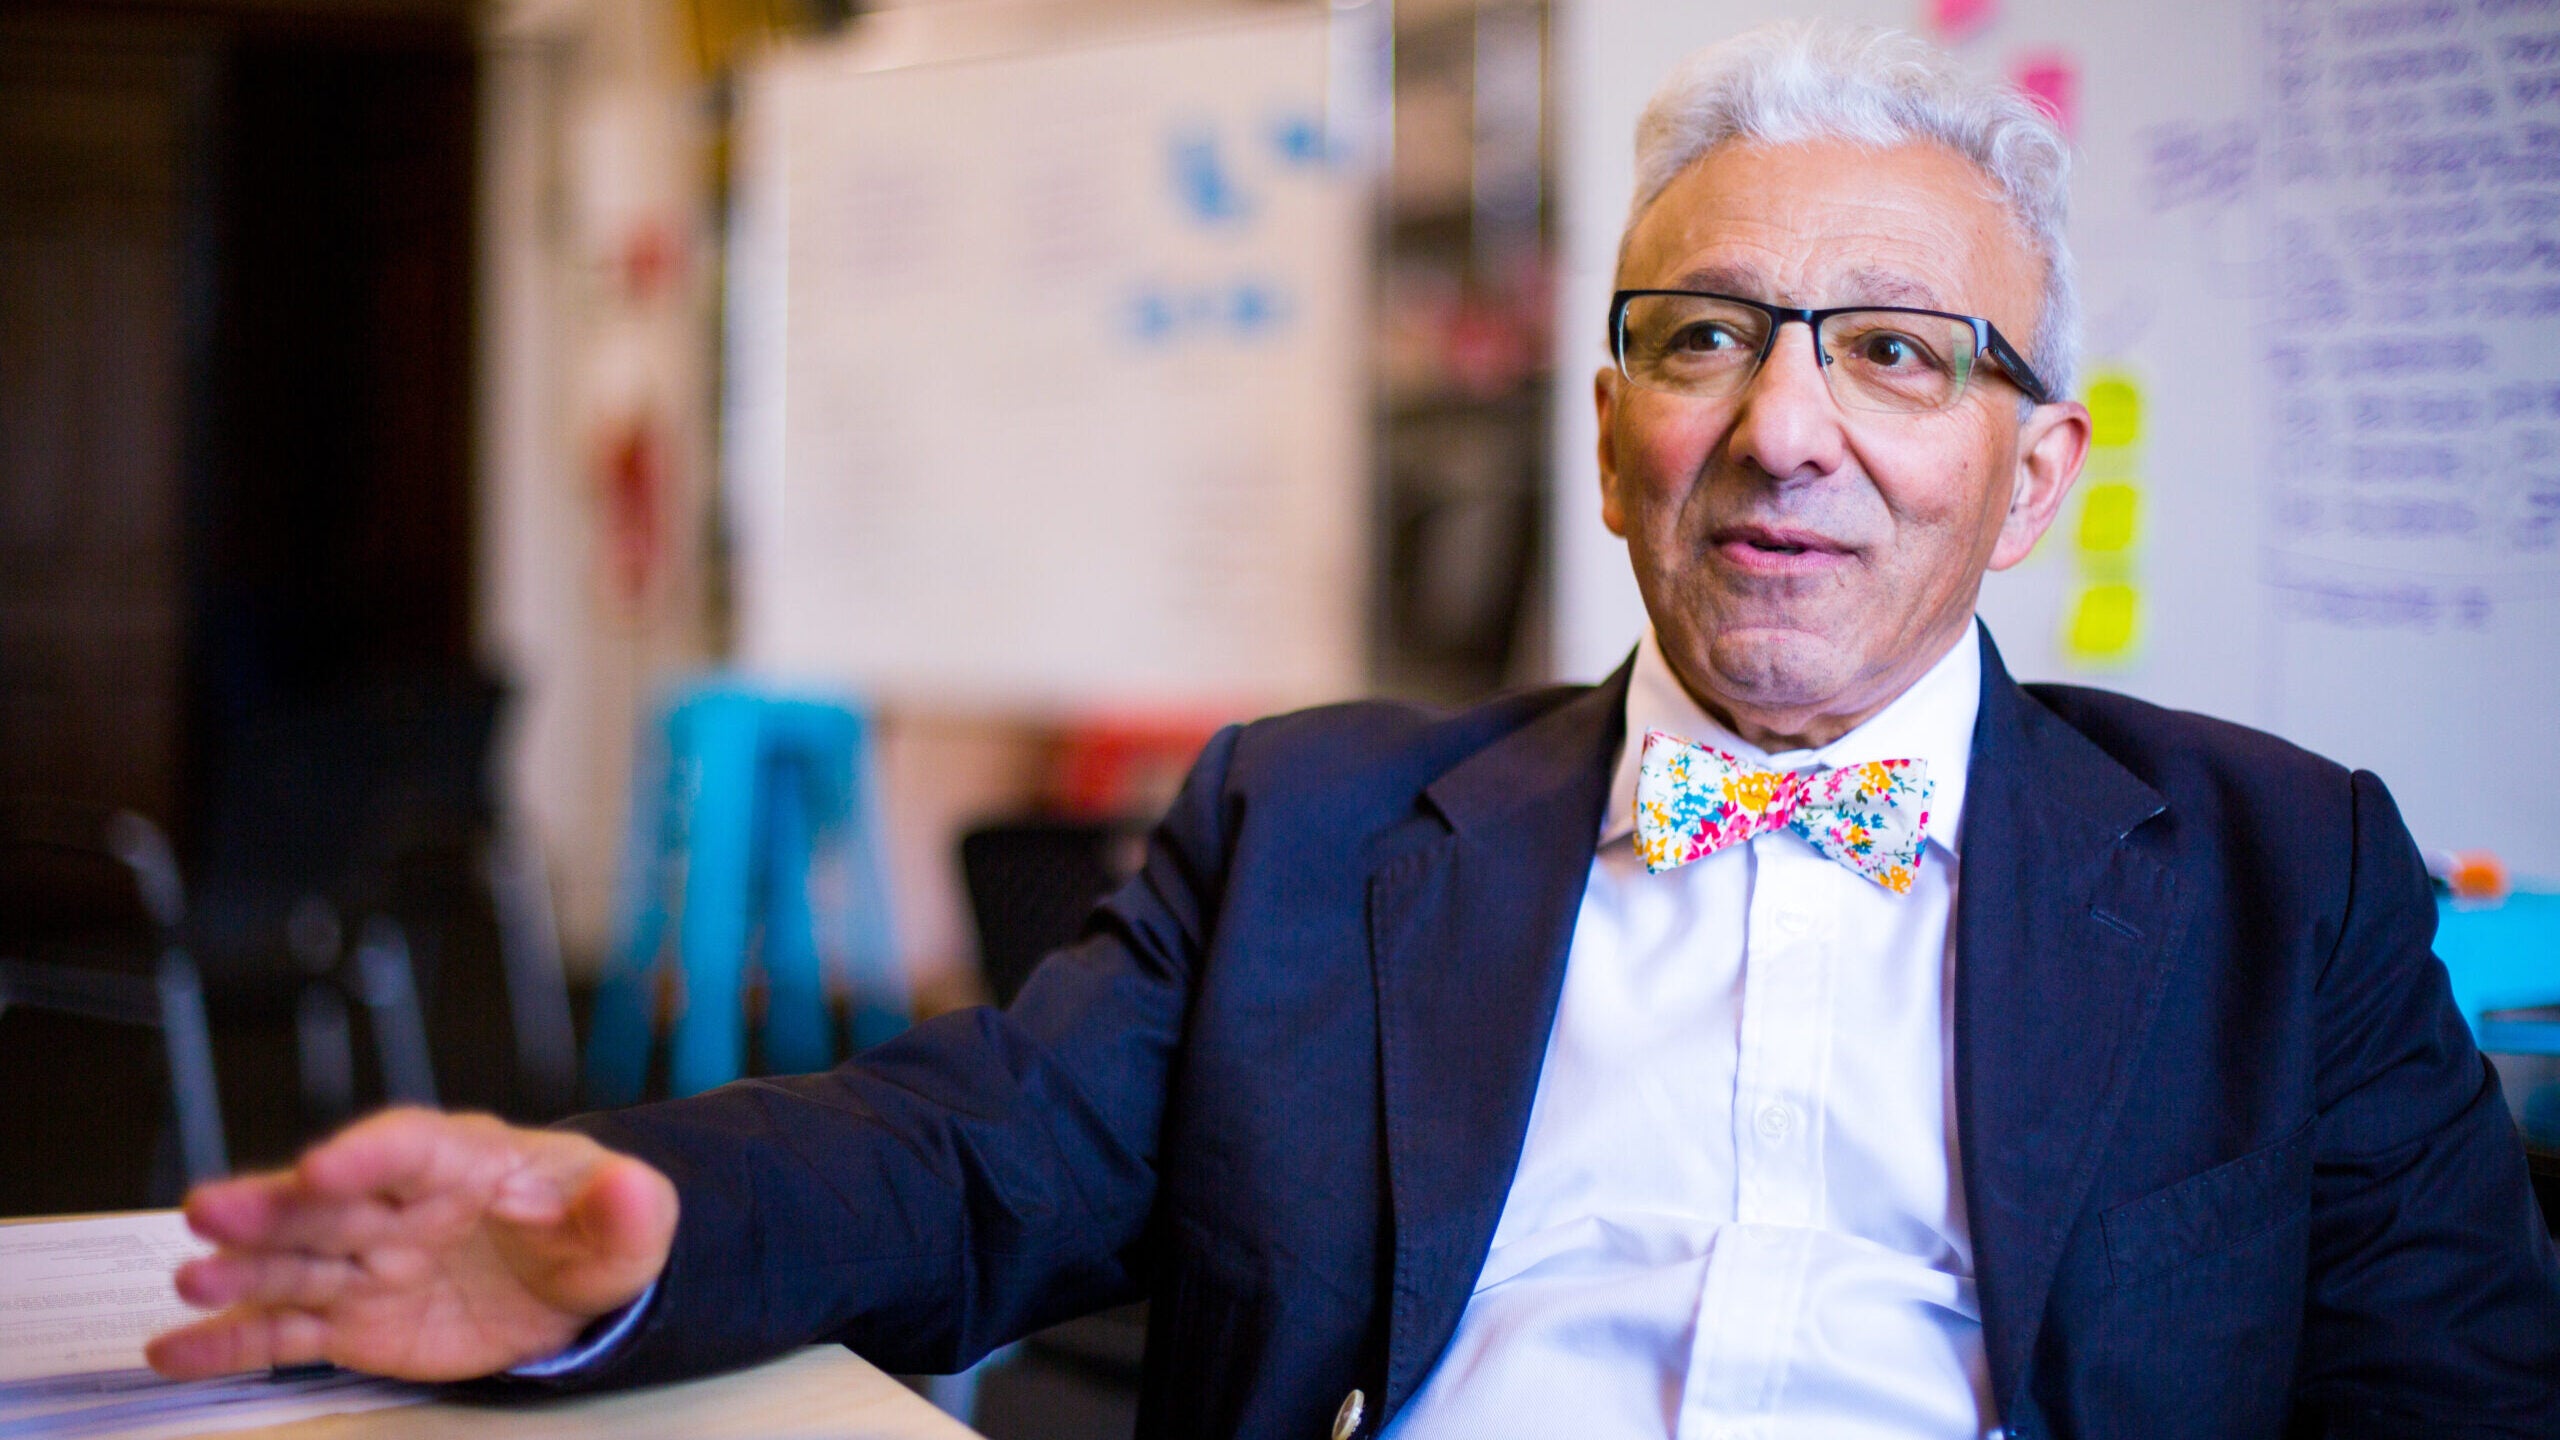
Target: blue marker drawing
<point>1150,316</point>
<point>1299,139</point>
<point>1254,307</point>
<point>1202,182</point>
<point>1156,315</point>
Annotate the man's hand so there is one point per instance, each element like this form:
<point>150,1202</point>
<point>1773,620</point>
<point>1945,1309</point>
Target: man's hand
<point>419,1245</point>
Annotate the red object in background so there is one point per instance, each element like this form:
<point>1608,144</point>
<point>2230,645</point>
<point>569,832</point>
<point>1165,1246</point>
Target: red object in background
<point>1495,338</point>
<point>631,474</point>
<point>2478,875</point>
<point>646,266</point>
<point>1484,351</point>
<point>2051,79</point>
<point>1112,769</point>
<point>1954,20</point>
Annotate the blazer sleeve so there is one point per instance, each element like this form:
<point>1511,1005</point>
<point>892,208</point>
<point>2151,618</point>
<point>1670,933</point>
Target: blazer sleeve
<point>981,1176</point>
<point>2434,1305</point>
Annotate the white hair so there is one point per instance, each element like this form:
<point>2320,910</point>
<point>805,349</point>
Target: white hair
<point>1797,81</point>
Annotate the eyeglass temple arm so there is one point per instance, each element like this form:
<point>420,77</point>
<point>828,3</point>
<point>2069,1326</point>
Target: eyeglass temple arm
<point>2021,374</point>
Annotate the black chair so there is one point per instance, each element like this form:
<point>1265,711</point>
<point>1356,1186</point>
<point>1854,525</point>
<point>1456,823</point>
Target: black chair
<point>91,913</point>
<point>293,839</point>
<point>1032,883</point>
<point>352,862</point>
<point>2545,1164</point>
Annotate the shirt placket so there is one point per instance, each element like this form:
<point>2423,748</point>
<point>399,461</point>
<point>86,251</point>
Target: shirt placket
<point>1749,1308</point>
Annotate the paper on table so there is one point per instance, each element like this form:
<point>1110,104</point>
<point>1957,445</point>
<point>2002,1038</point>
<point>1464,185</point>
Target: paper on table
<point>82,1295</point>
<point>77,1300</point>
<point>129,1406</point>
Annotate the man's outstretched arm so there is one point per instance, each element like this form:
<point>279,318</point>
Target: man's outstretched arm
<point>979,1177</point>
<point>984,1174</point>
<point>420,1245</point>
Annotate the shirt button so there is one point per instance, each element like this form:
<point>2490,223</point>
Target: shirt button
<point>1794,922</point>
<point>1776,1121</point>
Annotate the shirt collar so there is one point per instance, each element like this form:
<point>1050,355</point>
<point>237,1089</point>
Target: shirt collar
<point>1932,722</point>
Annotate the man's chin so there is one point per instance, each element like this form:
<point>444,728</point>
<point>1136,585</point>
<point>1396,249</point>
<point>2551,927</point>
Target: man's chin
<point>1764,672</point>
<point>1776,666</point>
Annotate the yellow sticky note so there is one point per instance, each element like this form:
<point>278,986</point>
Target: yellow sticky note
<point>2110,517</point>
<point>2115,412</point>
<point>2117,462</point>
<point>2101,626</point>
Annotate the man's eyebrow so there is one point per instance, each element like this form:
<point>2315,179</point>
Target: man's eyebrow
<point>1858,287</point>
<point>1884,287</point>
<point>1723,280</point>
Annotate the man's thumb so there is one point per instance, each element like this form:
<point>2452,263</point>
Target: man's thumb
<point>627,1210</point>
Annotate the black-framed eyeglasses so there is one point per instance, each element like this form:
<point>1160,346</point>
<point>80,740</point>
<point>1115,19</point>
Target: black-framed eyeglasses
<point>1890,358</point>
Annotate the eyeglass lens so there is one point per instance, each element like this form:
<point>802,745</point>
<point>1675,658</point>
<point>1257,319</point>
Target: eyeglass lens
<point>1890,360</point>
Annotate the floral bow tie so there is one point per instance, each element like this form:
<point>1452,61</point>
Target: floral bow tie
<point>1692,801</point>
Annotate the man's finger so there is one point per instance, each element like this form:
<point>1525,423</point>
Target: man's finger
<point>239,1339</point>
<point>349,1192</point>
<point>398,1155</point>
<point>240,1211</point>
<point>288,1278</point>
<point>278,1212</point>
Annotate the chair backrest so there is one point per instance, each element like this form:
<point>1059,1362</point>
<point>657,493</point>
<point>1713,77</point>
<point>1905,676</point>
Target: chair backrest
<point>1032,885</point>
<point>329,795</point>
<point>2545,1164</point>
<point>90,903</point>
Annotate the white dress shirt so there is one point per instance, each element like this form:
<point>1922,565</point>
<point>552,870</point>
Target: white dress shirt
<point>1738,1212</point>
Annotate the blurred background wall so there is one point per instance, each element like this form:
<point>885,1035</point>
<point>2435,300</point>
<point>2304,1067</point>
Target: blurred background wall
<point>394,358</point>
<point>239,380</point>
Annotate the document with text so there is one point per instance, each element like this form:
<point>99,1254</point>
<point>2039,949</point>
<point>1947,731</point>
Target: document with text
<point>78,1298</point>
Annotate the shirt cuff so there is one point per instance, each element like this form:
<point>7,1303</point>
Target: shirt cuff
<point>594,1343</point>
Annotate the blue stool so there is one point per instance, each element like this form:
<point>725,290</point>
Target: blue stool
<point>756,812</point>
<point>2501,957</point>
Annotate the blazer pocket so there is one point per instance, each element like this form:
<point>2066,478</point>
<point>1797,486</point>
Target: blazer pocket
<point>2209,1212</point>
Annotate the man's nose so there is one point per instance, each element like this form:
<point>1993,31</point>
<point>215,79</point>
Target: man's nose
<point>1788,424</point>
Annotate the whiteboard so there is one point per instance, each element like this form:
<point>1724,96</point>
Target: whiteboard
<point>2320,269</point>
<point>1047,370</point>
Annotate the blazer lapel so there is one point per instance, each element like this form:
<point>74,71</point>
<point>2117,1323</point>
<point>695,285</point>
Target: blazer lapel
<point>1468,936</point>
<point>2064,936</point>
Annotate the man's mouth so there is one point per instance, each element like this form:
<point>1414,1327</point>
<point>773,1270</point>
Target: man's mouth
<point>1774,548</point>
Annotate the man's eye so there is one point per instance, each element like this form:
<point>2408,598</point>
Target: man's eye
<point>1703,338</point>
<point>1886,350</point>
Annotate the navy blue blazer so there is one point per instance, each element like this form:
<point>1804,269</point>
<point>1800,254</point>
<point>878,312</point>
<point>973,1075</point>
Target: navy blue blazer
<point>2232,1164</point>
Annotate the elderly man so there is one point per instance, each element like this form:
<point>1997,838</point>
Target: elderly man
<point>1807,1032</point>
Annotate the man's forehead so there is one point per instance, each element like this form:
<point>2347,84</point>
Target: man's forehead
<point>1856,283</point>
<point>1826,223</point>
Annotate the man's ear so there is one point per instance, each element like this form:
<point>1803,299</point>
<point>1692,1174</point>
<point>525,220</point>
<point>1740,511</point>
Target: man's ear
<point>1604,399</point>
<point>2051,445</point>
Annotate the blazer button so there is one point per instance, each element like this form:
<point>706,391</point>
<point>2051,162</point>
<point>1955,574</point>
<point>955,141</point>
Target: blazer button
<point>1346,1421</point>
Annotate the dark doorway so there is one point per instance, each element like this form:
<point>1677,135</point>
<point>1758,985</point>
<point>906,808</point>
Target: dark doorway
<point>334,498</point>
<point>235,366</point>
<point>94,160</point>
<point>236,245</point>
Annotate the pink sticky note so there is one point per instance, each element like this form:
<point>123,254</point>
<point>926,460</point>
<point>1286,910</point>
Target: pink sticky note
<point>1953,20</point>
<point>2052,80</point>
